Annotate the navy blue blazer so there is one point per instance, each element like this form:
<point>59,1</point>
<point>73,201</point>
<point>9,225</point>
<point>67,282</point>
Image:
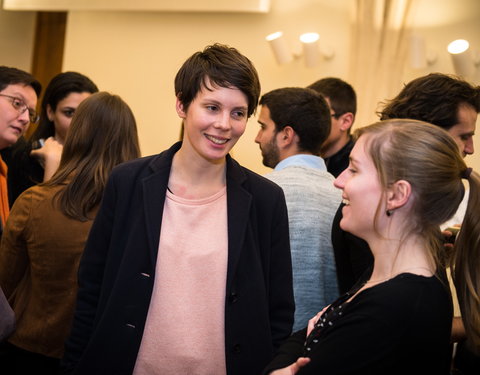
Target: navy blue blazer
<point>117,270</point>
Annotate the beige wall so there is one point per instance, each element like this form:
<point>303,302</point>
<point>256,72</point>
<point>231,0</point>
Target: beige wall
<point>136,54</point>
<point>16,38</point>
<point>440,24</point>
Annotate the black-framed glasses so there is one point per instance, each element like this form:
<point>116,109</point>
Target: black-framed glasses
<point>21,107</point>
<point>336,115</point>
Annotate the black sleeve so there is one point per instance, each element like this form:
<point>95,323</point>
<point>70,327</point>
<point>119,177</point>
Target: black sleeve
<point>288,353</point>
<point>23,170</point>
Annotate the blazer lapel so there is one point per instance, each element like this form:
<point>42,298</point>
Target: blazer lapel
<point>154,191</point>
<point>239,202</point>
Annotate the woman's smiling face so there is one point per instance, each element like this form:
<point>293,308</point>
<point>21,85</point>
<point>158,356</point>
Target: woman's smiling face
<point>214,121</point>
<point>362,191</point>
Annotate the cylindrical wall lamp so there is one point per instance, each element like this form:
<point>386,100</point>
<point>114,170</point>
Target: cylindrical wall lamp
<point>311,49</point>
<point>462,61</point>
<point>418,52</point>
<point>279,47</point>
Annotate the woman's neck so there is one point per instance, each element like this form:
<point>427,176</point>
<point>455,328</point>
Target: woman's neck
<point>194,179</point>
<point>393,257</point>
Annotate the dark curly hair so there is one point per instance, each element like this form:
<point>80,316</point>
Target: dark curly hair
<point>434,98</point>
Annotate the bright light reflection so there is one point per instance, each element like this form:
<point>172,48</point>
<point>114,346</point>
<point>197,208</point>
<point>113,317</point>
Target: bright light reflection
<point>458,46</point>
<point>309,37</point>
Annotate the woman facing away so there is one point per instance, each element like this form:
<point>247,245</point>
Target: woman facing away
<point>46,232</point>
<point>34,160</point>
<point>404,179</point>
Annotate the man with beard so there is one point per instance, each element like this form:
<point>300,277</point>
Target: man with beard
<point>294,123</point>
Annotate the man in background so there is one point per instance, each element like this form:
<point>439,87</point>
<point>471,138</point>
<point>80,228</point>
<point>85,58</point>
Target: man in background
<point>342,101</point>
<point>294,123</point>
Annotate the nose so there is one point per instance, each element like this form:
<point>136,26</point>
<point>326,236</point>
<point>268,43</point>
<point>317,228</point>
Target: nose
<point>339,182</point>
<point>257,138</point>
<point>24,118</point>
<point>223,121</point>
<point>469,148</point>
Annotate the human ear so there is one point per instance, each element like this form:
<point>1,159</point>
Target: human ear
<point>346,121</point>
<point>180,109</point>
<point>398,194</point>
<point>50,112</point>
<point>287,135</point>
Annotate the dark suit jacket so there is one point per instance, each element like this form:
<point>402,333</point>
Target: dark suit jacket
<point>117,270</point>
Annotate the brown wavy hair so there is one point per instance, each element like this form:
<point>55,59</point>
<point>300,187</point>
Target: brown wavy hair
<point>103,134</point>
<point>434,98</point>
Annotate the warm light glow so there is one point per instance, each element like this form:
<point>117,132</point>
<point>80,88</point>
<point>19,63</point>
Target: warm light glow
<point>274,36</point>
<point>309,37</point>
<point>458,46</point>
<point>279,47</point>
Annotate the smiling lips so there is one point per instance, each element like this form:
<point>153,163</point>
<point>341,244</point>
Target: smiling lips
<point>217,141</point>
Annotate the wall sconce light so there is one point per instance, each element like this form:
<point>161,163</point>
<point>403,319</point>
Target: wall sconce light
<point>311,49</point>
<point>420,58</point>
<point>462,59</point>
<point>280,48</point>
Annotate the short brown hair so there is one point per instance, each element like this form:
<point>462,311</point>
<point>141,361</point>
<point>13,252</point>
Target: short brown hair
<point>223,66</point>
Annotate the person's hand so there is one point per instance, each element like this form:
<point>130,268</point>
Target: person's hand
<point>450,234</point>
<point>49,156</point>
<point>293,368</point>
<point>314,320</point>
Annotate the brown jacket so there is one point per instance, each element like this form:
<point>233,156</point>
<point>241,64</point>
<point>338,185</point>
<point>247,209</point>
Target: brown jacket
<point>39,256</point>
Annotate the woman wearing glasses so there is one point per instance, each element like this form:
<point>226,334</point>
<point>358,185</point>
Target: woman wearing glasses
<point>19,92</point>
<point>35,160</point>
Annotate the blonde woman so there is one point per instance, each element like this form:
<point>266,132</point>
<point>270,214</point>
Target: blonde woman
<point>404,179</point>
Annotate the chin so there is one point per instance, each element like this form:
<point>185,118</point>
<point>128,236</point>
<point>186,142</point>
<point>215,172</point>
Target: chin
<point>342,226</point>
<point>345,227</point>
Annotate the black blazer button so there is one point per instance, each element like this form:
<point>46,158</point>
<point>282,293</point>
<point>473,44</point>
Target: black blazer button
<point>233,297</point>
<point>236,348</point>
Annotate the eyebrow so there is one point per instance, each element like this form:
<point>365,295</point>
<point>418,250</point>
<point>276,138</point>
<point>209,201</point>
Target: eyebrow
<point>18,95</point>
<point>261,123</point>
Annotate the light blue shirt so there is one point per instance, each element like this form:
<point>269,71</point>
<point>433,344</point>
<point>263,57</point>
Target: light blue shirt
<point>302,160</point>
